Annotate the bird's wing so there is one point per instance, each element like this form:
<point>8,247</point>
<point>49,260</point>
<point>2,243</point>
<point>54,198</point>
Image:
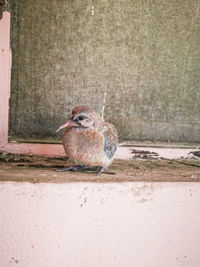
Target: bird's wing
<point>110,140</point>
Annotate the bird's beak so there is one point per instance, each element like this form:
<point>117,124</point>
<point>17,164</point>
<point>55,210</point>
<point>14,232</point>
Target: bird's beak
<point>66,124</point>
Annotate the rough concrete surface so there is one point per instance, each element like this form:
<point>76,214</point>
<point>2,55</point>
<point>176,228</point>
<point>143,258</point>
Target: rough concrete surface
<point>144,54</point>
<point>35,169</point>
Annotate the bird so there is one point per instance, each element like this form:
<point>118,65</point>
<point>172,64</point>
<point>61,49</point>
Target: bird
<point>89,140</point>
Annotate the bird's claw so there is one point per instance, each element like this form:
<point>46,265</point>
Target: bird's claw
<point>71,168</point>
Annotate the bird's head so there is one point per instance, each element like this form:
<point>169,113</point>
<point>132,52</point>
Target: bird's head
<point>82,117</point>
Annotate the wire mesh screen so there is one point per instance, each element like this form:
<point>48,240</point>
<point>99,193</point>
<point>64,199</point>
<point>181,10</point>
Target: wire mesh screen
<point>143,54</point>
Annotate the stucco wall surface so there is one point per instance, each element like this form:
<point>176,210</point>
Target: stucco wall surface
<point>143,54</point>
<point>99,224</point>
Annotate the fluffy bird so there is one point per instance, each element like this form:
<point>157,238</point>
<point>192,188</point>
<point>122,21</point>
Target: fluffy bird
<point>89,140</point>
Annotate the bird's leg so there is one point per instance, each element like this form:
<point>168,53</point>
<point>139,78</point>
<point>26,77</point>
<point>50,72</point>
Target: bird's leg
<point>100,170</point>
<point>103,170</point>
<point>71,168</point>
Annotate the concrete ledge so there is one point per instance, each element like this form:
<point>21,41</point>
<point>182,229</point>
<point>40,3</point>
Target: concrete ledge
<point>37,169</point>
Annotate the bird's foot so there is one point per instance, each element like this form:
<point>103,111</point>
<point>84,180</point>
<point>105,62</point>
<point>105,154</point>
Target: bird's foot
<point>96,169</point>
<point>71,168</point>
<point>86,169</point>
<point>103,170</point>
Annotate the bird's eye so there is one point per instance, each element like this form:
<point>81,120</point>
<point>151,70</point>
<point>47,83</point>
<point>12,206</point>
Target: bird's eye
<point>80,118</point>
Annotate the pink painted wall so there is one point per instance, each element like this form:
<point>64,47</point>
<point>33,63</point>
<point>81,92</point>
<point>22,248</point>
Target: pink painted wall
<point>100,225</point>
<point>5,75</point>
<point>5,90</point>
